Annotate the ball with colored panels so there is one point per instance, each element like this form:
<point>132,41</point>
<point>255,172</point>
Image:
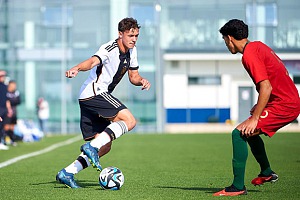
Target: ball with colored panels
<point>111,178</point>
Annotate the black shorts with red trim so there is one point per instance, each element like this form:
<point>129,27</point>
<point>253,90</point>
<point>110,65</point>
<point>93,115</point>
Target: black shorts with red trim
<point>95,113</point>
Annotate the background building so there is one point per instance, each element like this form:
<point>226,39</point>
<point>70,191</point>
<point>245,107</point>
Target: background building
<point>194,77</point>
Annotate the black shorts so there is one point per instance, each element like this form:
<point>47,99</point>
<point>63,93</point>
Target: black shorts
<point>95,113</point>
<point>10,120</point>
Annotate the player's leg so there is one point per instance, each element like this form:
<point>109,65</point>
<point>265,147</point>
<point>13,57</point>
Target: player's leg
<point>90,124</point>
<point>2,145</point>
<point>104,149</point>
<point>258,150</point>
<point>66,175</point>
<point>270,122</point>
<point>82,161</point>
<point>9,130</point>
<point>122,120</point>
<point>240,154</point>
<point>122,123</point>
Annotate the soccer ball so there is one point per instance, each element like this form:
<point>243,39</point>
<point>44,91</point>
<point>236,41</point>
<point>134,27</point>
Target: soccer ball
<point>111,178</point>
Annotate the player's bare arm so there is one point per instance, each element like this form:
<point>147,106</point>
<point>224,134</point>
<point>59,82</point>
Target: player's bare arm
<point>248,127</point>
<point>83,66</point>
<point>137,80</point>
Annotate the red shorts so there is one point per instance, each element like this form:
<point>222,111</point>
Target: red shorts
<point>272,119</point>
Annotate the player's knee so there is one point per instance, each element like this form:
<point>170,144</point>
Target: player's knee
<point>235,132</point>
<point>237,135</point>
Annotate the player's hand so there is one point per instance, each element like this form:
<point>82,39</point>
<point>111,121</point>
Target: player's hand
<point>71,73</point>
<point>248,127</point>
<point>145,84</point>
<point>0,119</point>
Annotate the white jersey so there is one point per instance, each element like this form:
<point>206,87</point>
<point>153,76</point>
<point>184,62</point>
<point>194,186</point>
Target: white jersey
<point>113,65</point>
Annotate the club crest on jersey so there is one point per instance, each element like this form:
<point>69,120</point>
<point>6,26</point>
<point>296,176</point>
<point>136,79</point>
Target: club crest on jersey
<point>264,114</point>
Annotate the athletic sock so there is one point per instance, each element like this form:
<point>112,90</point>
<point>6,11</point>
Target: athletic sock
<point>240,154</point>
<point>11,135</point>
<point>79,164</point>
<point>112,132</point>
<point>267,172</point>
<point>259,152</point>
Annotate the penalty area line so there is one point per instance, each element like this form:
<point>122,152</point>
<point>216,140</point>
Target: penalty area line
<point>36,153</point>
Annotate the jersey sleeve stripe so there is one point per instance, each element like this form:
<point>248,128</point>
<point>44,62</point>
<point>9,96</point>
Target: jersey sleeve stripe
<point>98,58</point>
<point>112,46</point>
<point>134,68</point>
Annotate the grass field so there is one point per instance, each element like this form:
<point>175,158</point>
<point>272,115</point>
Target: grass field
<point>155,166</point>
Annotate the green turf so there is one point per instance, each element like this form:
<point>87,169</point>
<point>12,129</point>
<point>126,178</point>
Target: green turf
<point>155,166</point>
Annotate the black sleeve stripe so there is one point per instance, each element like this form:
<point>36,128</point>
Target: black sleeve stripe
<point>98,58</point>
<point>134,68</point>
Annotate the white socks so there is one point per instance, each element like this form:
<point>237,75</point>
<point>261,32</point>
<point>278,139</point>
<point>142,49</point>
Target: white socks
<point>76,166</point>
<point>112,132</point>
<point>102,139</point>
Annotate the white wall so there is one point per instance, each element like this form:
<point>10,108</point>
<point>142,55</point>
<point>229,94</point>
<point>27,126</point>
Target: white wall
<point>178,94</point>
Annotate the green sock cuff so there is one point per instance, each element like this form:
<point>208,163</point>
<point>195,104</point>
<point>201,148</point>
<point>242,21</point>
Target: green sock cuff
<point>267,171</point>
<point>237,135</point>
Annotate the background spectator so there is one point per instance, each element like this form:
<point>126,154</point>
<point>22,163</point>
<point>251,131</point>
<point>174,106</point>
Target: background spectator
<point>43,113</point>
<point>5,108</point>
<point>13,96</point>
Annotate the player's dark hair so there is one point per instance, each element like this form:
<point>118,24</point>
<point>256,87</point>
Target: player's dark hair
<point>235,28</point>
<point>127,24</point>
<point>12,81</point>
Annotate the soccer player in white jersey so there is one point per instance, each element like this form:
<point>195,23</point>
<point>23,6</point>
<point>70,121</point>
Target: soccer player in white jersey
<point>103,117</point>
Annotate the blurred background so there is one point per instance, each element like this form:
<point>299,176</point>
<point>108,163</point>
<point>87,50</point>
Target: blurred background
<point>195,80</point>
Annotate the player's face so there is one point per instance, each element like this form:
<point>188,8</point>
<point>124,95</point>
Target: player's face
<point>229,44</point>
<point>129,37</point>
<point>2,76</point>
<point>12,87</point>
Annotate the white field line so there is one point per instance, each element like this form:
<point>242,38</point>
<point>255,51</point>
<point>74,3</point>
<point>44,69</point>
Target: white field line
<point>36,153</point>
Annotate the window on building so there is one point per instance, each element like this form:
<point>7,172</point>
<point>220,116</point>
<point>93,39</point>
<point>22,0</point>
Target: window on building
<point>57,16</point>
<point>204,80</point>
<point>261,14</point>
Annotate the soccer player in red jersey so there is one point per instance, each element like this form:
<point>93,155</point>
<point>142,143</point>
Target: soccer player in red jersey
<point>278,104</point>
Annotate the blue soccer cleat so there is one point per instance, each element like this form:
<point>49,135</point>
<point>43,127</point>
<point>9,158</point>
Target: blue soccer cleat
<point>92,154</point>
<point>66,178</point>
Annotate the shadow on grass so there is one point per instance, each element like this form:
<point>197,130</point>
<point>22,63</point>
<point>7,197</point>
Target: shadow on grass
<point>208,190</point>
<point>82,183</point>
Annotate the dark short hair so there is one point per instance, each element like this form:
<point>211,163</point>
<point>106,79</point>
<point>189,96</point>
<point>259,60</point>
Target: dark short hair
<point>235,28</point>
<point>127,24</point>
